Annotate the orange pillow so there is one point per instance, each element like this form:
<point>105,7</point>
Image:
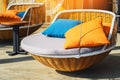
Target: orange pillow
<point>12,11</point>
<point>106,28</point>
<point>88,34</point>
<point>9,16</point>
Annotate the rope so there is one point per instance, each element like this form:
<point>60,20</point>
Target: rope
<point>30,18</point>
<point>106,20</point>
<point>55,9</point>
<point>81,28</point>
<point>29,22</point>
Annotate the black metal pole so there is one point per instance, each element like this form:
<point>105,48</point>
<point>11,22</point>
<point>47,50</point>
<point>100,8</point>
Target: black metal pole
<point>16,42</point>
<point>16,39</point>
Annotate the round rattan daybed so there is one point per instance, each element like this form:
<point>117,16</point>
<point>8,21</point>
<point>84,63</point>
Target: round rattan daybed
<point>50,52</point>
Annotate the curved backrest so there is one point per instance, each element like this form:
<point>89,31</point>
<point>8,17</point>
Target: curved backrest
<point>22,6</point>
<point>20,1</point>
<point>88,14</point>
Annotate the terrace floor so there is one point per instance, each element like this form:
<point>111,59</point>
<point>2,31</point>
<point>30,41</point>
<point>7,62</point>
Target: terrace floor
<point>24,67</point>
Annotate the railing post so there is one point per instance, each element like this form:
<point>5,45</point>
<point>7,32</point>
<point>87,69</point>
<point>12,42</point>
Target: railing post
<point>118,14</point>
<point>5,3</point>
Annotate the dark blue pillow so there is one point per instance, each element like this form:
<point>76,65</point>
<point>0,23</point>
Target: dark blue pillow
<point>21,14</point>
<point>59,27</point>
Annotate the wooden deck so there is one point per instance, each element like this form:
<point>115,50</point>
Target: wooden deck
<point>24,67</point>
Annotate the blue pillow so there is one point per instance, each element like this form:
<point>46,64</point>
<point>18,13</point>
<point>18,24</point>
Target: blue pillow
<point>59,27</point>
<point>20,14</point>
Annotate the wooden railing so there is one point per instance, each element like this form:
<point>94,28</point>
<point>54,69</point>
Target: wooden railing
<point>67,4</point>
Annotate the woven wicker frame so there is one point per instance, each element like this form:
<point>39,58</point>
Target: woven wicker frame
<point>71,64</point>
<point>74,64</point>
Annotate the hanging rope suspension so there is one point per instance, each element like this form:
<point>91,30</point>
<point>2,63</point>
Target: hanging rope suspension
<point>52,6</point>
<point>29,22</point>
<point>81,28</point>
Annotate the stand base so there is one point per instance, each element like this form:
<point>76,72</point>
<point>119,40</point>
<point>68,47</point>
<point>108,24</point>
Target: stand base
<point>118,30</point>
<point>12,53</point>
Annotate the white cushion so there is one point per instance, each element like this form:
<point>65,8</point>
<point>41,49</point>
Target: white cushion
<point>43,45</point>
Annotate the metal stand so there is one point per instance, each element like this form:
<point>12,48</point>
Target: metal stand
<point>16,42</point>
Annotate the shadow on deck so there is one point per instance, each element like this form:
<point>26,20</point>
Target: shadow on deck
<point>109,68</point>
